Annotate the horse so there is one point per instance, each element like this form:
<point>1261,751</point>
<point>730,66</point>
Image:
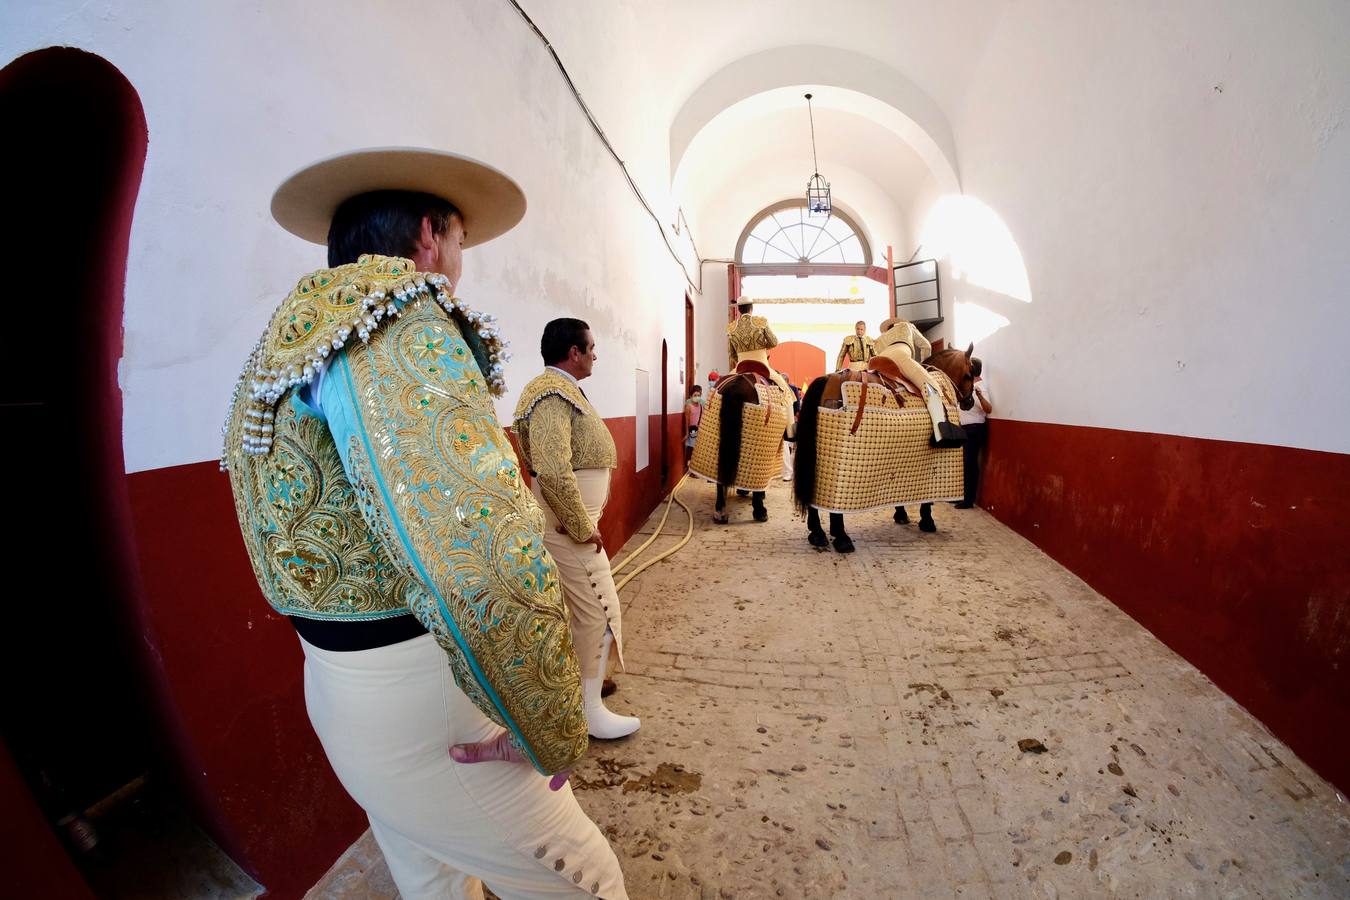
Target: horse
<point>735,391</point>
<point>955,364</point>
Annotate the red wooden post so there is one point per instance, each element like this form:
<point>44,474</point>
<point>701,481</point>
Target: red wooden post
<point>890,276</point>
<point>733,291</point>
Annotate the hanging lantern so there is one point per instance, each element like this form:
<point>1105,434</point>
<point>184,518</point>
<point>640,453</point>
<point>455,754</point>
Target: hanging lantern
<point>817,188</point>
<point>818,196</point>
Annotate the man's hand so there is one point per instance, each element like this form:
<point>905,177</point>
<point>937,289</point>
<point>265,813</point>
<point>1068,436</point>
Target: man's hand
<point>595,539</point>
<point>499,749</point>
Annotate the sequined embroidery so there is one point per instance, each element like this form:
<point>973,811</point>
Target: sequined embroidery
<point>468,530</point>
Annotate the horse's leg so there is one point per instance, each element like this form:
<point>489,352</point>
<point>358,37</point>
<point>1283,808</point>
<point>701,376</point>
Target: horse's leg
<point>842,542</point>
<point>815,535</point>
<point>757,504</point>
<point>719,516</point>
<point>926,522</point>
<point>901,517</point>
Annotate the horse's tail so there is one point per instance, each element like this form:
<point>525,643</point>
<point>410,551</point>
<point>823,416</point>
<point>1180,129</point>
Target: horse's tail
<point>729,435</point>
<point>804,467</point>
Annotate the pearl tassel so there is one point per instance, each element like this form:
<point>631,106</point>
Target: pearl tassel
<point>266,387</point>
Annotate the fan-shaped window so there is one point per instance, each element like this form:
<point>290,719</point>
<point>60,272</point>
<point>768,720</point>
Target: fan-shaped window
<point>784,235</point>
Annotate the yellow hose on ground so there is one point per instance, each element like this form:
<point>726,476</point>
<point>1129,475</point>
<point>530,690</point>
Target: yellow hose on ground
<point>688,534</point>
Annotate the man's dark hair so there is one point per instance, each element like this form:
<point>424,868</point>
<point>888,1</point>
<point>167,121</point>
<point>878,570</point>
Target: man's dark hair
<point>560,336</point>
<point>745,305</point>
<point>384,222</point>
<point>976,367</point>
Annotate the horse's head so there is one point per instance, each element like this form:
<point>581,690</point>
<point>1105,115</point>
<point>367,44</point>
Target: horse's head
<point>955,364</point>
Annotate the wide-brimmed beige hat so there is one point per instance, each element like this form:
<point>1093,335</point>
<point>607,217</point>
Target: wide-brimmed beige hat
<point>489,202</point>
<point>887,323</point>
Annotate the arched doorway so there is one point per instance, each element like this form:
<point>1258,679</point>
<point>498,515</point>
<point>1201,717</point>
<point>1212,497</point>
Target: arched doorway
<point>90,725</point>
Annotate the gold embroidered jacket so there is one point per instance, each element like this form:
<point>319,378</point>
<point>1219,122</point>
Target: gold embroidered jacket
<point>561,432</point>
<point>749,333</point>
<point>855,349</point>
<point>371,479</point>
<point>903,332</point>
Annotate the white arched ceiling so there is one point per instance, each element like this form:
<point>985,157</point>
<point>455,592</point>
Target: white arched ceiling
<point>729,205</point>
<point>758,152</point>
<point>845,80</point>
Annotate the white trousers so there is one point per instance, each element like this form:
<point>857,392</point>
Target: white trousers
<point>387,719</point>
<point>587,581</point>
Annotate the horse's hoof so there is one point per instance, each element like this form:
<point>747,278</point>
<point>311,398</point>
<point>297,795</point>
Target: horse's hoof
<point>761,514</point>
<point>720,518</point>
<point>741,493</point>
<point>951,435</point>
<point>817,539</point>
<point>843,544</point>
<point>963,505</point>
<point>608,687</point>
<point>927,525</point>
<point>901,517</point>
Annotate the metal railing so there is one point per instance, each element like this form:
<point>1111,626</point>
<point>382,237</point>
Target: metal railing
<point>918,295</point>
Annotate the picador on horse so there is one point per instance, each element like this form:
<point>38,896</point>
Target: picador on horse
<point>740,438</point>
<point>882,435</point>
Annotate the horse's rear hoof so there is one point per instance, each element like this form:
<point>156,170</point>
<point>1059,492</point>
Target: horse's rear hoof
<point>817,539</point>
<point>843,544</point>
<point>901,517</point>
<point>927,525</point>
<point>720,518</point>
<point>761,514</point>
<point>951,435</point>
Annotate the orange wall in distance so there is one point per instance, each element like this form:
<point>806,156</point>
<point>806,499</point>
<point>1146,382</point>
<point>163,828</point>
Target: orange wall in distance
<point>801,361</point>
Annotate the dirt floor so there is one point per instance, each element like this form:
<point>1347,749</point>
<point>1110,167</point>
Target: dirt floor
<point>934,716</point>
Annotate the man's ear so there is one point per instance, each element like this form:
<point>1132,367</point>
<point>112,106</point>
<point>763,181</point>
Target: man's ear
<point>426,240</point>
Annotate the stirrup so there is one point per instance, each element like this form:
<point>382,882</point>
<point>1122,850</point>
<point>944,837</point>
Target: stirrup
<point>951,435</point>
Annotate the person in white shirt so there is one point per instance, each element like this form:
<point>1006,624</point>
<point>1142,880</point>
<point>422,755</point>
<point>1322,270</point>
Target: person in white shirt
<point>977,432</point>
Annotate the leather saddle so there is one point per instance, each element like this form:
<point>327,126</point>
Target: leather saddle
<point>880,371</point>
<point>756,373</point>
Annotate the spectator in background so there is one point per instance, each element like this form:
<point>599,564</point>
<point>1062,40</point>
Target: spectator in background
<point>977,433</point>
<point>790,435</point>
<point>693,413</point>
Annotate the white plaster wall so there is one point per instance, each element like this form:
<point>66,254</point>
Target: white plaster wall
<point>239,95</point>
<point>917,213</point>
<point>1172,177</point>
<point>1177,179</point>
<point>710,324</point>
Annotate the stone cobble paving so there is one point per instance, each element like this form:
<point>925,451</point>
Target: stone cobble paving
<point>947,715</point>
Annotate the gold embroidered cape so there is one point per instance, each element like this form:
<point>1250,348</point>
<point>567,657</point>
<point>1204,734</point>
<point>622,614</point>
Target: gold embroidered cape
<point>371,479</point>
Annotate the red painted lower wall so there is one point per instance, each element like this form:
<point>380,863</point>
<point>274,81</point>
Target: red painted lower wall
<point>35,862</point>
<point>1234,555</point>
<point>232,668</point>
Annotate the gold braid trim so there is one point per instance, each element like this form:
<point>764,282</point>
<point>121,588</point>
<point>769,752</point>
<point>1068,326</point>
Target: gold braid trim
<point>320,317</point>
<point>546,385</point>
